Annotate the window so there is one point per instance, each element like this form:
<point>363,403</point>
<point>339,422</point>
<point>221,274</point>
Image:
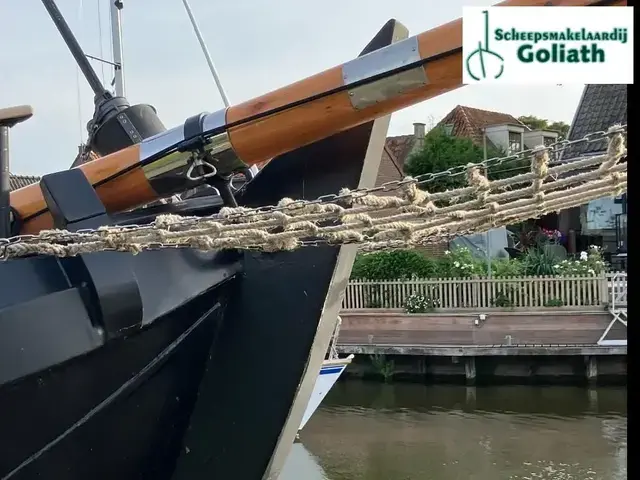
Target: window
<point>548,141</point>
<point>515,142</point>
<point>448,128</point>
<point>622,200</point>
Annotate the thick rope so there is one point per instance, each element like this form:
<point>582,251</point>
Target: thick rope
<point>408,220</point>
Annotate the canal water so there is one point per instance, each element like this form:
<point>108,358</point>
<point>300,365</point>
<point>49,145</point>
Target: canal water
<point>370,431</point>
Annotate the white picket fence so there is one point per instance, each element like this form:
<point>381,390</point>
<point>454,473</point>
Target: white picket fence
<point>507,292</point>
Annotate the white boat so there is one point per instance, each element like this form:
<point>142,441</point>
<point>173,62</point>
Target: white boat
<point>331,370</point>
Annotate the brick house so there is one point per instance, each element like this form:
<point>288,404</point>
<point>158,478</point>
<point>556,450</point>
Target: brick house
<point>487,129</point>
<point>396,152</point>
<point>495,129</point>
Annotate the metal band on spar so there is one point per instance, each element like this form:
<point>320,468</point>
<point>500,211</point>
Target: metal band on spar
<point>382,82</point>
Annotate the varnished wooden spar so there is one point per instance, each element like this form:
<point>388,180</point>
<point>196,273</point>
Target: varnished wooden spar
<point>280,121</point>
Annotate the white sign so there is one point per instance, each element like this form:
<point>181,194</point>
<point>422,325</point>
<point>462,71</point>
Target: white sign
<point>529,45</point>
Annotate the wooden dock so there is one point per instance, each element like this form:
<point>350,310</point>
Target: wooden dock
<point>470,334</point>
<point>533,327</point>
<point>557,345</point>
<point>482,350</point>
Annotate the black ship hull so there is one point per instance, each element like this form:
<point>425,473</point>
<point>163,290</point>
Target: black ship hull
<point>159,366</point>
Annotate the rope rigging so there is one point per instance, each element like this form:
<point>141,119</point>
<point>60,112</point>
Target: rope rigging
<point>411,218</point>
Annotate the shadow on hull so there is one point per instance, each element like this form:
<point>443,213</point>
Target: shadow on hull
<point>152,366</point>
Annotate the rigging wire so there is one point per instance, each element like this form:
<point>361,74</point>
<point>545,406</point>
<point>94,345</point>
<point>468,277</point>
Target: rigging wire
<point>100,38</point>
<point>113,57</point>
<point>78,92</point>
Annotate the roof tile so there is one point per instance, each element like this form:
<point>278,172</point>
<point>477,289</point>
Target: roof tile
<point>600,107</point>
<point>19,181</point>
<point>400,147</point>
<point>468,122</point>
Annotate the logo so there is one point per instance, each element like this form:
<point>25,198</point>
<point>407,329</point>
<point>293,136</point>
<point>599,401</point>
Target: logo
<point>478,70</point>
<point>547,45</point>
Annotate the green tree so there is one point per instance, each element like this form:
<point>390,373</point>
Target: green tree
<point>535,123</point>
<point>560,127</point>
<point>442,151</point>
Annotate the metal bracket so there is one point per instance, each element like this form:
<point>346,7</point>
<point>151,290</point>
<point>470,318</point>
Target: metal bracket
<point>395,56</point>
<point>129,128</point>
<point>178,171</point>
<point>201,165</point>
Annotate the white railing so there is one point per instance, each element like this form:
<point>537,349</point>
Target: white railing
<point>617,283</point>
<point>507,292</point>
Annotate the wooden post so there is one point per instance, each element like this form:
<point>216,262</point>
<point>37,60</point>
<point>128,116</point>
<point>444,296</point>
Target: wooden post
<point>470,370</point>
<point>592,369</point>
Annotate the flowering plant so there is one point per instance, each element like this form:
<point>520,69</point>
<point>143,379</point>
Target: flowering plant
<point>554,236</point>
<point>460,263</point>
<point>590,263</point>
<point>417,303</point>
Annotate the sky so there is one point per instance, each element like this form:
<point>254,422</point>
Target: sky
<point>257,46</point>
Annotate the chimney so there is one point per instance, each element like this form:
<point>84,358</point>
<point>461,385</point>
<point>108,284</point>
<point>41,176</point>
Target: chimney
<point>418,136</point>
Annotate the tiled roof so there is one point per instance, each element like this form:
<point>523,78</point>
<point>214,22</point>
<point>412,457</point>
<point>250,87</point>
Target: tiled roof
<point>468,122</point>
<point>600,107</point>
<point>400,147</point>
<point>19,181</point>
<point>395,153</point>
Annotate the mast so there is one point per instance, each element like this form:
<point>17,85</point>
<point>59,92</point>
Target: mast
<point>205,51</point>
<point>115,124</point>
<point>74,47</point>
<point>116,36</point>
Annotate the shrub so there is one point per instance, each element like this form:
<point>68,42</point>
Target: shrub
<point>503,298</point>
<point>554,302</point>
<point>539,262</point>
<point>417,303</point>
<point>393,265</point>
<point>460,263</point>
<point>507,267</point>
<point>382,366</point>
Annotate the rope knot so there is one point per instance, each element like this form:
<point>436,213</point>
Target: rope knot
<point>616,148</point>
<point>617,180</point>
<point>412,193</point>
<point>539,167</point>
<point>479,182</point>
<point>540,162</point>
<point>282,218</point>
<point>355,218</point>
<point>346,196</point>
<point>165,222</point>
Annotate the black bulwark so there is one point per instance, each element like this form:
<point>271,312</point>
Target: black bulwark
<point>105,279</point>
<point>273,316</point>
